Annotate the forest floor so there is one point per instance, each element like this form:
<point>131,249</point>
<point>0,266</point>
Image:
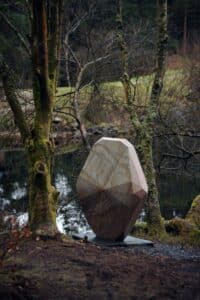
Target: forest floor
<point>66,269</point>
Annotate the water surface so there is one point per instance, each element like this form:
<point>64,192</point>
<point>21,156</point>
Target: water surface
<point>176,192</point>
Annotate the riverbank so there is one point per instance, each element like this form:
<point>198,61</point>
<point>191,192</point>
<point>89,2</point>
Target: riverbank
<point>66,269</point>
<point>66,138</point>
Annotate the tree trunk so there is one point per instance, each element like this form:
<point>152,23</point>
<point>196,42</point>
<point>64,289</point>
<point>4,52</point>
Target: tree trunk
<point>76,108</point>
<point>45,48</point>
<point>144,146</point>
<point>154,219</point>
<point>40,147</point>
<point>42,195</point>
<point>144,129</point>
<point>126,81</point>
<point>66,55</point>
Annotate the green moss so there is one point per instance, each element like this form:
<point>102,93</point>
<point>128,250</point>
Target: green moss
<point>188,233</point>
<point>179,226</point>
<point>193,215</point>
<point>179,231</point>
<point>140,228</point>
<point>42,195</point>
<point>152,207</point>
<point>194,238</point>
<point>156,229</point>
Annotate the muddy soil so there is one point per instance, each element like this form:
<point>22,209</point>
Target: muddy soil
<point>57,269</point>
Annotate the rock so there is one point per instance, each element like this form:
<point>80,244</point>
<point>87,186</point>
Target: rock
<point>193,215</point>
<point>112,188</point>
<point>103,130</point>
<point>96,130</point>
<point>185,229</point>
<point>178,226</point>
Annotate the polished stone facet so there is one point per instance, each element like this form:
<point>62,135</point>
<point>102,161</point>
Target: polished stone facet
<point>112,188</point>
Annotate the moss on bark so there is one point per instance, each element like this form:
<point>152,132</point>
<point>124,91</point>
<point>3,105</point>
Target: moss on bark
<point>152,206</point>
<point>178,231</point>
<point>42,195</point>
<point>181,227</point>
<point>144,128</point>
<point>193,216</point>
<point>45,45</point>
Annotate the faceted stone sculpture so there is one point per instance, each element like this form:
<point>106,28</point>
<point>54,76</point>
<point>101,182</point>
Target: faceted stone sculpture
<point>112,188</point>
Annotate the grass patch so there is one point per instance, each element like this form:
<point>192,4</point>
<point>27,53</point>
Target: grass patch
<point>142,86</point>
<point>111,99</point>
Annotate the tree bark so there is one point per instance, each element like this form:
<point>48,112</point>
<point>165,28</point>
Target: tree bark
<point>42,194</point>
<point>40,148</point>
<point>10,92</point>
<point>144,129</point>
<point>66,55</point>
<point>144,146</point>
<point>126,81</point>
<point>152,207</point>
<point>76,109</point>
<point>45,46</point>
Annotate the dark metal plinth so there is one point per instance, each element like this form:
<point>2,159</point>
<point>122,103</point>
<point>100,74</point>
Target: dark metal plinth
<point>128,241</point>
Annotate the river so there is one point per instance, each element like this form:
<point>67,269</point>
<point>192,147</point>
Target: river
<point>176,192</point>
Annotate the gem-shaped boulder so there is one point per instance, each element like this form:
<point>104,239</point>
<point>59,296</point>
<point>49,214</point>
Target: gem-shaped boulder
<point>112,188</point>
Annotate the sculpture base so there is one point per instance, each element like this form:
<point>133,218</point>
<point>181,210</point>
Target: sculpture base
<point>128,241</point>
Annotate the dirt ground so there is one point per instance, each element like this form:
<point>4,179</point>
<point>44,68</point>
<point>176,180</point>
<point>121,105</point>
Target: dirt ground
<point>57,269</point>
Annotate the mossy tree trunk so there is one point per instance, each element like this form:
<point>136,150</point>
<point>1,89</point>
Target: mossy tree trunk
<point>45,51</point>
<point>126,81</point>
<point>144,139</point>
<point>144,128</point>
<point>144,146</point>
<point>45,45</point>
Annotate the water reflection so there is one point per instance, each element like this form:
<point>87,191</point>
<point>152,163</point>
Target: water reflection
<point>176,192</point>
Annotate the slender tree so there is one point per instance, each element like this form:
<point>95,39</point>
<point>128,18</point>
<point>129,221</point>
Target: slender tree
<point>144,128</point>
<point>146,134</point>
<point>45,17</point>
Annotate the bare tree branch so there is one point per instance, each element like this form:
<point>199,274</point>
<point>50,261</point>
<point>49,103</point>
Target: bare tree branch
<point>99,59</point>
<point>75,26</point>
<point>29,10</point>
<point>67,114</point>
<point>12,99</point>
<point>73,55</point>
<point>66,94</point>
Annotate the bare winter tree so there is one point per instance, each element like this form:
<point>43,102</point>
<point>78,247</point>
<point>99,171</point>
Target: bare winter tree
<point>144,128</point>
<point>84,61</point>
<point>45,17</point>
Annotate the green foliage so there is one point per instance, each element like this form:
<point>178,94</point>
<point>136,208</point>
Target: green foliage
<point>193,215</point>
